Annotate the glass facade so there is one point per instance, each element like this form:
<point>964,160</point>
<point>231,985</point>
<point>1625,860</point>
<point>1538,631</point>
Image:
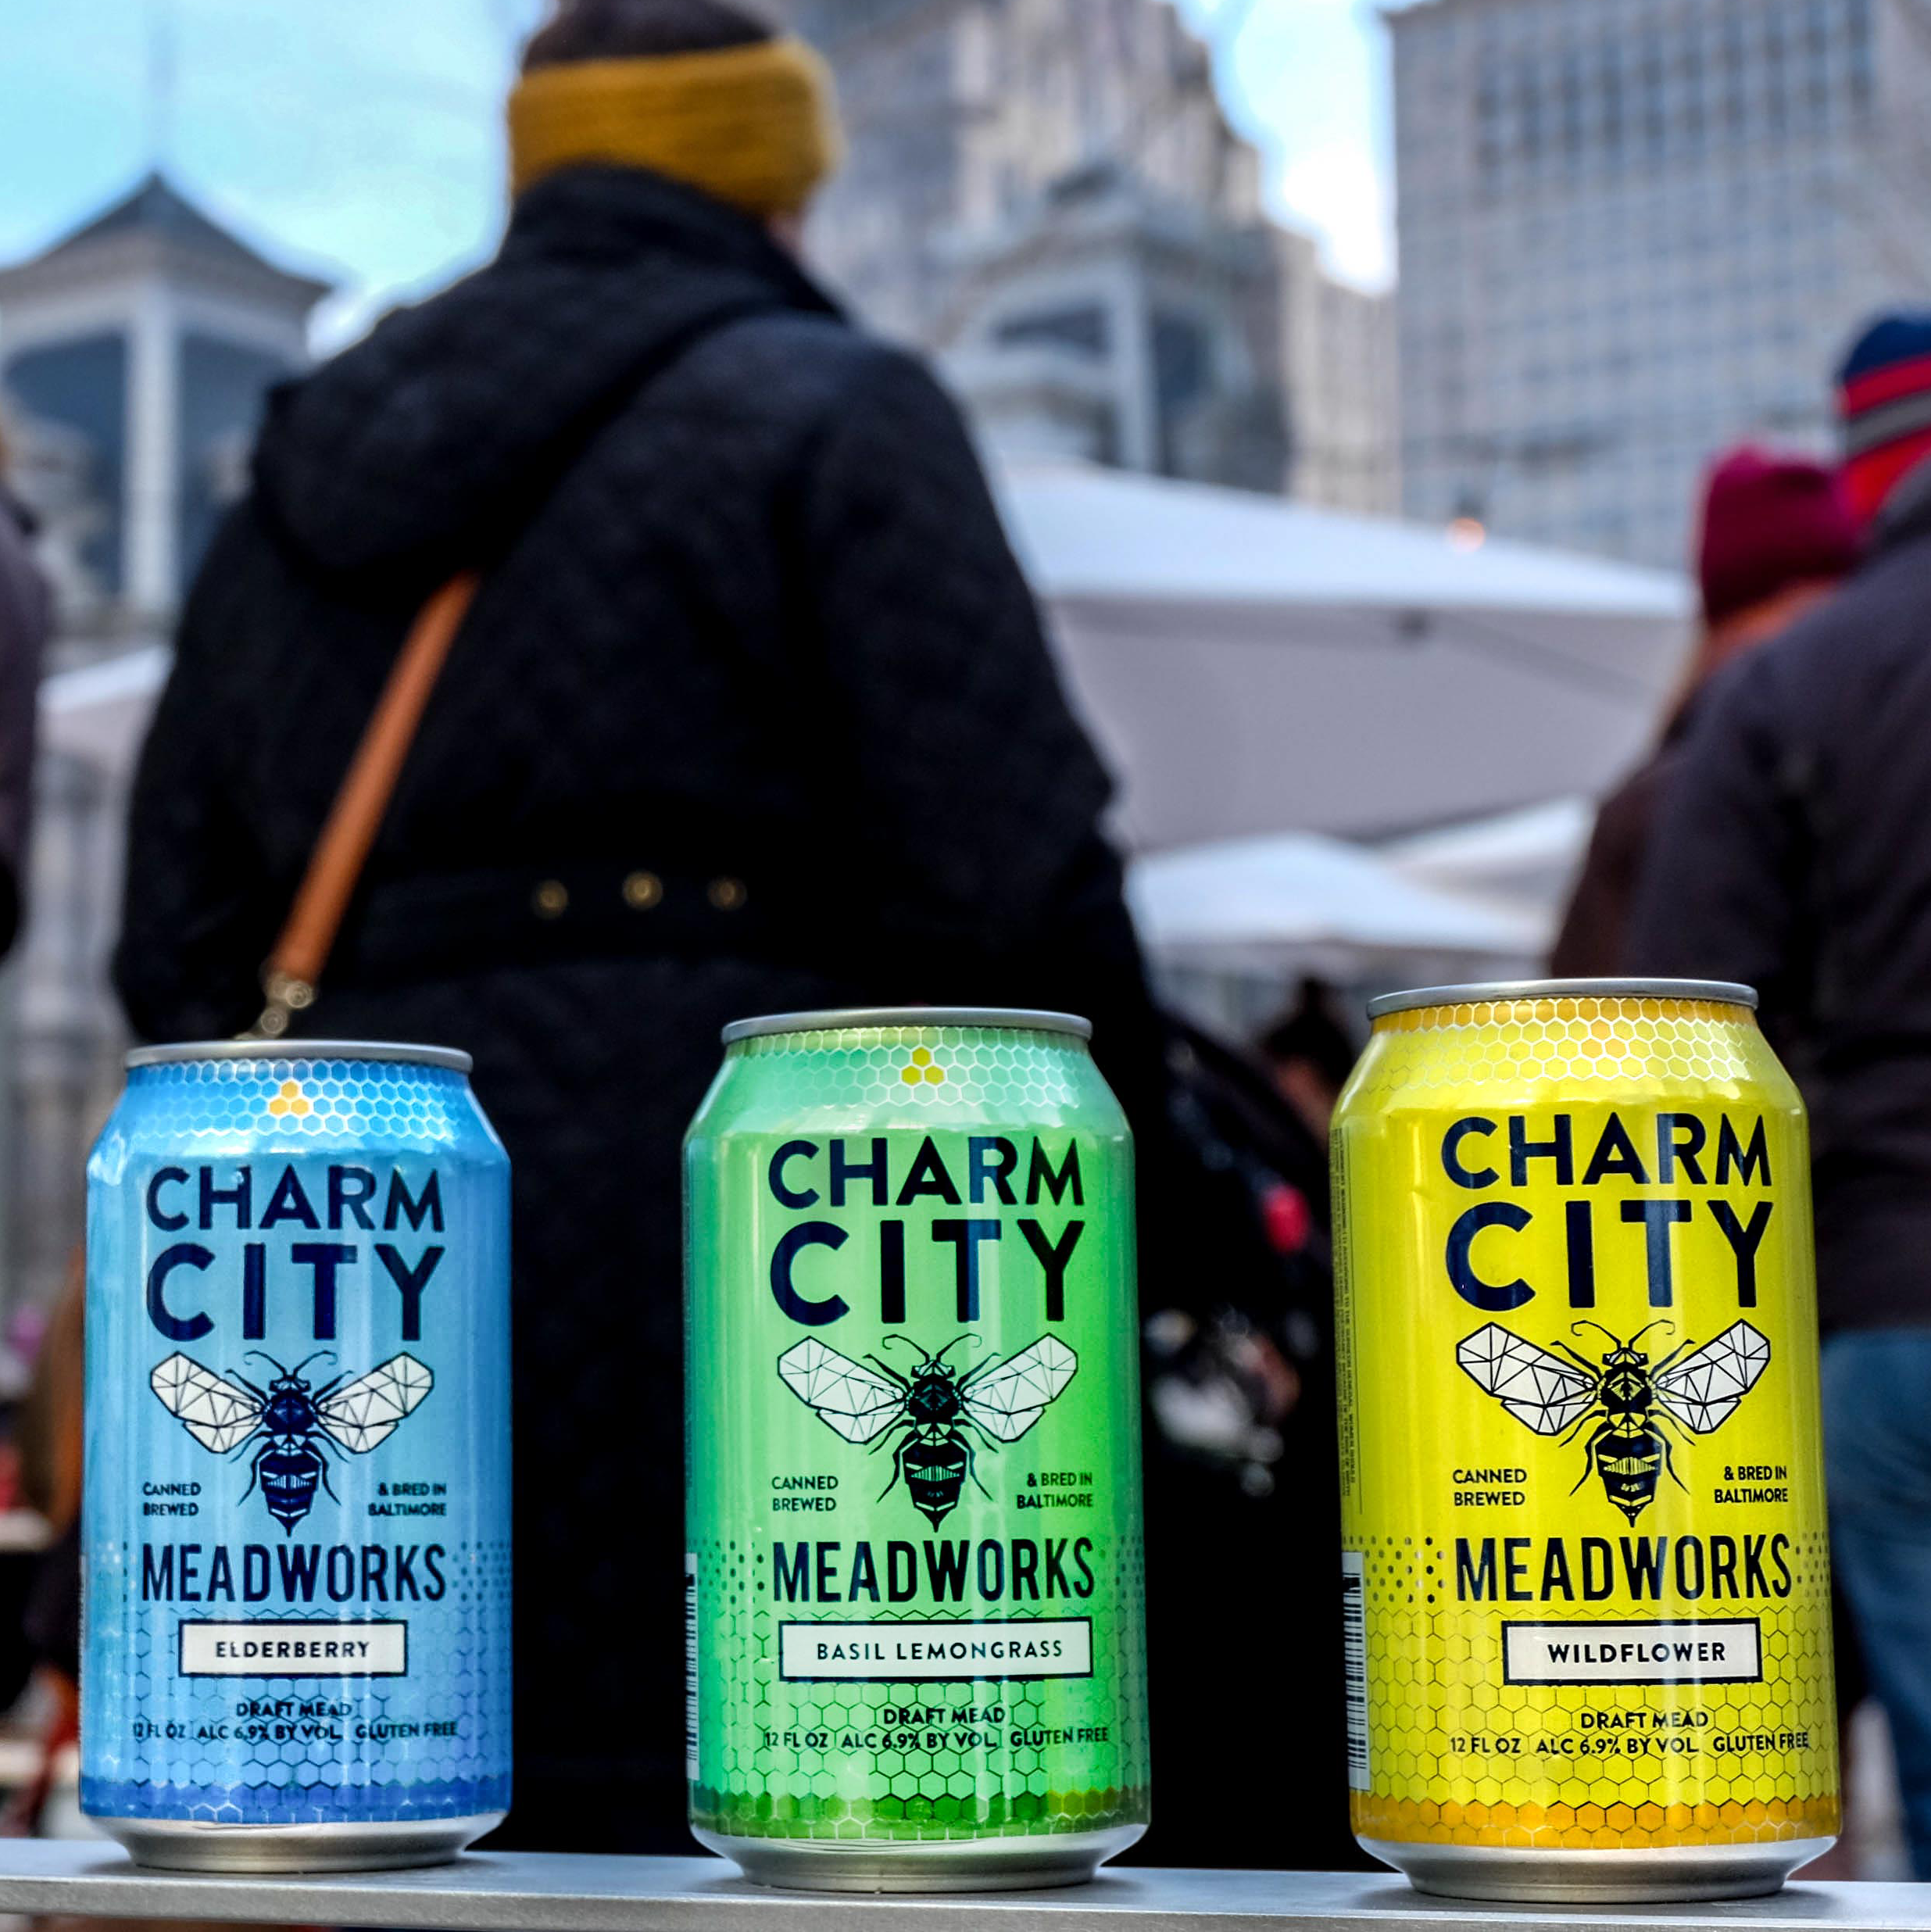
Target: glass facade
<point>1633,233</point>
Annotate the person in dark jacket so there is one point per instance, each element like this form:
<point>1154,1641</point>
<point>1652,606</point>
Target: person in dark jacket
<point>1793,853</point>
<point>24,614</point>
<point>1776,537</point>
<point>753,714</point>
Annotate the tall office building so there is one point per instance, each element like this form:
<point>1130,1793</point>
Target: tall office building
<point>1633,230</point>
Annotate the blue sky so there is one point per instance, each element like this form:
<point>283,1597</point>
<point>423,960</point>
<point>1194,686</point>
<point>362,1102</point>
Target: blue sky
<point>1306,81</point>
<point>360,137</point>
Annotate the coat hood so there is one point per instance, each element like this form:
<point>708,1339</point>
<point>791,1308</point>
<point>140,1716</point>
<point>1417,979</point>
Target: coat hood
<point>422,448</point>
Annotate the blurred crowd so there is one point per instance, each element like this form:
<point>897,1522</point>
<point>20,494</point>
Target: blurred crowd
<point>752,711</point>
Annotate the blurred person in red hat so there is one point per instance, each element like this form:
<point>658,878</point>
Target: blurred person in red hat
<point>1776,537</point>
<point>1792,853</point>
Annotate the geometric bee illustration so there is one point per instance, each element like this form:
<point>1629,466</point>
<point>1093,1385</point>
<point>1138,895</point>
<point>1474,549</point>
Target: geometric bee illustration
<point>294,1426</point>
<point>1630,1401</point>
<point>932,1414</point>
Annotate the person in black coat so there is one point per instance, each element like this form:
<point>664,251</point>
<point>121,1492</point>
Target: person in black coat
<point>753,714</point>
<point>1793,854</point>
<point>1776,537</point>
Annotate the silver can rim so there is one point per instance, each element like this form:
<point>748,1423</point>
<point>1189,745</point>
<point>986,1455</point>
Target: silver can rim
<point>1718,992</point>
<point>856,1019</point>
<point>453,1058</point>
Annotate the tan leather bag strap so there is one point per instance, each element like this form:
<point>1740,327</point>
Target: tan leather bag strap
<point>294,970</point>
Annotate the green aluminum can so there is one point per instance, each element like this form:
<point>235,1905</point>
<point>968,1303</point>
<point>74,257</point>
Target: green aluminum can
<point>915,1594</point>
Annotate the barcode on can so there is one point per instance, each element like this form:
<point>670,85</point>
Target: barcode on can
<point>691,1768</point>
<point>1355,1651</point>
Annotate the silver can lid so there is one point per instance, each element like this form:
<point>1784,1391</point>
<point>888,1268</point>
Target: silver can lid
<point>453,1058</point>
<point>1717,992</point>
<point>852,1019</point>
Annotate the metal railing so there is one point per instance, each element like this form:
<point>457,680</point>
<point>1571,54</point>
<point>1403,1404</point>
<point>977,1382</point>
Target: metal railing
<point>545,1892</point>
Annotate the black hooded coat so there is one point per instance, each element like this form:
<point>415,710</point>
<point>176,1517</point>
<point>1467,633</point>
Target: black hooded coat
<point>753,714</point>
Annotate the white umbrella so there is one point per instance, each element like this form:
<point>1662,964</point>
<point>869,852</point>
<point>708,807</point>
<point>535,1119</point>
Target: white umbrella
<point>1525,860</point>
<point>1250,663</point>
<point>1265,905</point>
<point>100,711</point>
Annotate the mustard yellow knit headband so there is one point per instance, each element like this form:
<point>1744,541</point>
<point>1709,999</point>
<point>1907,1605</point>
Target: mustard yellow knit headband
<point>754,126</point>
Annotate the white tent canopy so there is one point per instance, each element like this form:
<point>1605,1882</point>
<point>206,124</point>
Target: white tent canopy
<point>1250,663</point>
<point>1525,860</point>
<point>1263,905</point>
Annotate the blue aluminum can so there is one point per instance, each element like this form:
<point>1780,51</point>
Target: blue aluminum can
<point>296,1525</point>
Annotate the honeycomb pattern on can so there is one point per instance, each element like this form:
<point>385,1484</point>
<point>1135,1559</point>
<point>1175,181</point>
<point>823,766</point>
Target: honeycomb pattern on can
<point>919,1760</point>
<point>1433,1685</point>
<point>1571,1038</point>
<point>922,1786</point>
<point>212,1564</point>
<point>1584,1108</point>
<point>936,1068</point>
<point>306,1099</point>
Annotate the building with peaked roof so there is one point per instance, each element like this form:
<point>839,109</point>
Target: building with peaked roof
<point>1108,323</point>
<point>135,353</point>
<point>1047,195</point>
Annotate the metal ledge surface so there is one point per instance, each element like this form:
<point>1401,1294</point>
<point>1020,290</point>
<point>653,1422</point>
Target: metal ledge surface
<point>536,1892</point>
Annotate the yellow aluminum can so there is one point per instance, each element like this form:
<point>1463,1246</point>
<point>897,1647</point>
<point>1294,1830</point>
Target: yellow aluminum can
<point>1585,1576</point>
